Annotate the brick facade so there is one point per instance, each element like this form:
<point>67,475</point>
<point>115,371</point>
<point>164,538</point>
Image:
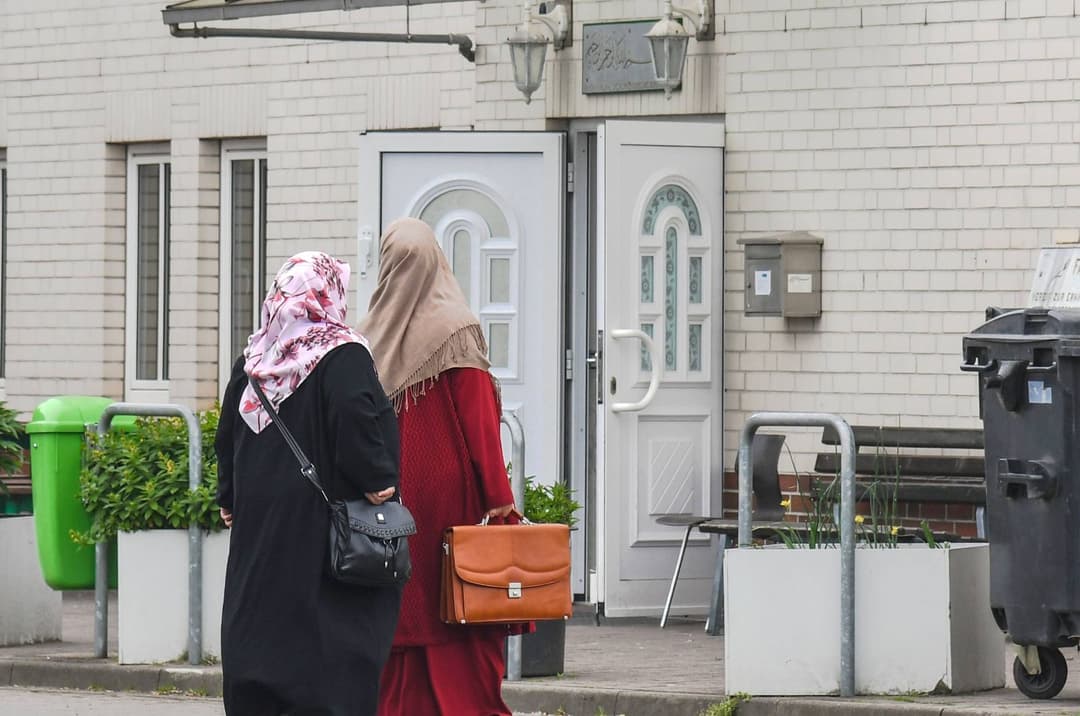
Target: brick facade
<point>932,145</point>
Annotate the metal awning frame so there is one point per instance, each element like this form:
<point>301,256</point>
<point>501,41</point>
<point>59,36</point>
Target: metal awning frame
<point>464,42</point>
<point>194,13</point>
<point>190,12</point>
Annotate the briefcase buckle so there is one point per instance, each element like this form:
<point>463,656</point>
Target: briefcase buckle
<point>513,590</point>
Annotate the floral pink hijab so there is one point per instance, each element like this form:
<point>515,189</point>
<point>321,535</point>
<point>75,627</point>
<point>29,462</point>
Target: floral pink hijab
<point>303,318</point>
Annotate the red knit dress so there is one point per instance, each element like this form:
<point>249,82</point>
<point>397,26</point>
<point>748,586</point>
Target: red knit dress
<point>452,472</point>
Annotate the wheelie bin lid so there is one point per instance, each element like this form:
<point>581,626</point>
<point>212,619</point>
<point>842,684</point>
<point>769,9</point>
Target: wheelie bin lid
<point>70,414</point>
<point>1026,324</point>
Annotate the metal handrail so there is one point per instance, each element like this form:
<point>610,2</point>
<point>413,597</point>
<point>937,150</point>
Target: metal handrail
<point>517,485</point>
<point>101,552</point>
<point>847,517</point>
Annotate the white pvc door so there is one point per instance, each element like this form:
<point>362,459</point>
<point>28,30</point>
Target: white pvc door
<point>661,244</point>
<point>495,202</point>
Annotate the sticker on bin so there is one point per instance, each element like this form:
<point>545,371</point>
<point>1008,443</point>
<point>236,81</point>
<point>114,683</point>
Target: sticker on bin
<point>1039,393</point>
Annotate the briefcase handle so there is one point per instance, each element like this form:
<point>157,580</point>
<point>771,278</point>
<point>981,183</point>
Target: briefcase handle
<point>517,513</point>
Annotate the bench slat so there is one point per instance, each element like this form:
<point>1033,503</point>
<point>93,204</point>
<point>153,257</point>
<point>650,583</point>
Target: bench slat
<point>773,530</point>
<point>873,436</point>
<point>967,491</point>
<point>941,467</point>
<point>16,485</point>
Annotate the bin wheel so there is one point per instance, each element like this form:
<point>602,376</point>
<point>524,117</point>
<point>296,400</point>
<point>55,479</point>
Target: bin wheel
<point>1049,682</point>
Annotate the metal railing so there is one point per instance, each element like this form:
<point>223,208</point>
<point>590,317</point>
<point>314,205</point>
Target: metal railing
<point>847,517</point>
<point>101,551</point>
<point>517,485</point>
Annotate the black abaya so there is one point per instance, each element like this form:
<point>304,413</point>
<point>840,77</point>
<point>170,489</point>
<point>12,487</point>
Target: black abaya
<point>293,640</point>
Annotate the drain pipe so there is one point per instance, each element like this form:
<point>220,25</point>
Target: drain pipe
<point>464,42</point>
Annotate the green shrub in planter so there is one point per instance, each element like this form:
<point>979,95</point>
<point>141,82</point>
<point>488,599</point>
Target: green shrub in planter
<point>138,479</point>
<point>552,504</point>
<point>12,437</point>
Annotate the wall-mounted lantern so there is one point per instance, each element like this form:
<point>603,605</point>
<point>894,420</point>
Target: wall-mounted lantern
<point>668,40</point>
<point>528,48</point>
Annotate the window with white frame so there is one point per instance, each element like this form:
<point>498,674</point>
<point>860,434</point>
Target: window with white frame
<point>148,226</point>
<point>483,247</point>
<point>243,248</point>
<point>673,307</point>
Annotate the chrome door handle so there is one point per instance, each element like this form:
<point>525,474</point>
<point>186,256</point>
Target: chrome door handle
<point>654,377</point>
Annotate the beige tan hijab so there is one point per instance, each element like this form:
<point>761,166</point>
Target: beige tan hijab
<point>418,323</point>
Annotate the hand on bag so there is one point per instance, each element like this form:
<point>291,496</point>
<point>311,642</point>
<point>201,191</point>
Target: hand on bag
<point>503,511</point>
<point>226,516</point>
<point>377,498</point>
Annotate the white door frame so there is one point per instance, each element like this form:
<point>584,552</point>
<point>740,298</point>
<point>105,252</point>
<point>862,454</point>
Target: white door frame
<point>579,400</point>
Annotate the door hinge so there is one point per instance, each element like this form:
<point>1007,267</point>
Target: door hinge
<point>570,177</point>
<point>569,372</point>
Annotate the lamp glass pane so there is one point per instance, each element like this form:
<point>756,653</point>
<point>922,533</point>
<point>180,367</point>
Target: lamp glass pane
<point>676,49</point>
<point>537,53</point>
<point>659,57</point>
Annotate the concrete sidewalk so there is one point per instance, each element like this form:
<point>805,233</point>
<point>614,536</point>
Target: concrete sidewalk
<point>616,667</point>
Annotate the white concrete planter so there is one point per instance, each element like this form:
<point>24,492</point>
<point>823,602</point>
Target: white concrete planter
<point>922,621</point>
<point>153,594</point>
<point>30,611</point>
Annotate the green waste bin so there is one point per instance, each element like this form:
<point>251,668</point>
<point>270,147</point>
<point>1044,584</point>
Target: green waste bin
<point>57,437</point>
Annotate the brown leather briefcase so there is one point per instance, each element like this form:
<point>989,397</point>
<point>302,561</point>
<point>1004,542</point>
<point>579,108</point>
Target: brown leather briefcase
<point>494,574</point>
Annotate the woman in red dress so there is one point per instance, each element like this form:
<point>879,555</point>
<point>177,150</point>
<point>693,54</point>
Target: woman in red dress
<point>432,360</point>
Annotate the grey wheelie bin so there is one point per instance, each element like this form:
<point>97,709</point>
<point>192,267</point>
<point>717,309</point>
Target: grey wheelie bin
<point>1028,362</point>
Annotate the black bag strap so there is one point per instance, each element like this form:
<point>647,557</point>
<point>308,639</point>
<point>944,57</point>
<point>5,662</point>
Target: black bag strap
<point>307,469</point>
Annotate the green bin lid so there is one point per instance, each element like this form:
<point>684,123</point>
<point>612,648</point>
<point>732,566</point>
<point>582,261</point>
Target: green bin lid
<point>67,414</point>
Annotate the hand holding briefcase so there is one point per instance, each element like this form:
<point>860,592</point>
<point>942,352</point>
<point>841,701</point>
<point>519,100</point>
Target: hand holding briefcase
<point>505,574</point>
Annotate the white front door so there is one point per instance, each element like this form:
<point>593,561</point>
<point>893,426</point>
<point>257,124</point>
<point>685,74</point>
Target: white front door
<point>495,201</point>
<point>661,259</point>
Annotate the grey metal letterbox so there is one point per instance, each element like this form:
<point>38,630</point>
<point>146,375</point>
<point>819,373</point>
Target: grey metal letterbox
<point>783,275</point>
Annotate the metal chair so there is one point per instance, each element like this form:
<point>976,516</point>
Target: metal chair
<point>764,459</point>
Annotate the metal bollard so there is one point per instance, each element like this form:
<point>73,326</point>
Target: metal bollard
<point>517,485</point>
<point>101,551</point>
<point>847,518</point>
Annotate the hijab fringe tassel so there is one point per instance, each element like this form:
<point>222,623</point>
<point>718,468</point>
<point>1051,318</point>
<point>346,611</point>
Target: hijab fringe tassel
<point>460,343</point>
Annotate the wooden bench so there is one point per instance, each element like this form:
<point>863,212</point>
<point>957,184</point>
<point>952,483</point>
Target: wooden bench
<point>885,455</point>
<point>880,455</point>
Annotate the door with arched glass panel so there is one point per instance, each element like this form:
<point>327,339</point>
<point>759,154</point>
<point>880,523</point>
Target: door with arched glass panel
<point>495,202</point>
<point>661,429</point>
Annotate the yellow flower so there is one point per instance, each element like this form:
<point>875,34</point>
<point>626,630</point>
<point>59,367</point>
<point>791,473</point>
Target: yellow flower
<point>859,519</point>
<point>896,530</point>
<point>785,503</point>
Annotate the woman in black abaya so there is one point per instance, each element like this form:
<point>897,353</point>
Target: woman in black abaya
<point>294,641</point>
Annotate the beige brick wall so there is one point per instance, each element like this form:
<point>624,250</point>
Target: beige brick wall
<point>933,145</point>
<point>78,84</point>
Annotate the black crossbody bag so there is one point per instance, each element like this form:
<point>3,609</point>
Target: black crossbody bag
<point>369,544</point>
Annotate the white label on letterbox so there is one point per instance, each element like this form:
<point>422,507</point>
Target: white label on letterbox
<point>800,283</point>
<point>762,283</point>
<point>1039,393</point>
